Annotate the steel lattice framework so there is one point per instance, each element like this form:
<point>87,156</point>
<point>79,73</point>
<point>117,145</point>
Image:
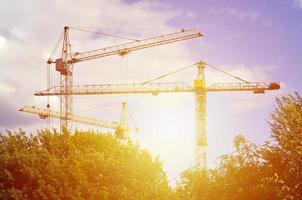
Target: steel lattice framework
<point>199,89</point>
<point>155,88</point>
<point>66,90</point>
<point>64,65</point>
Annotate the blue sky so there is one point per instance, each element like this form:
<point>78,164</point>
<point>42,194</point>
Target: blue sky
<point>256,40</point>
<point>258,32</point>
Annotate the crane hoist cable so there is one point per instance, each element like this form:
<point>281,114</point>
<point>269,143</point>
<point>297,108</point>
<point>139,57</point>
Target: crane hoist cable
<point>189,66</point>
<point>48,97</point>
<point>124,61</point>
<point>220,70</point>
<point>49,75</point>
<point>170,73</point>
<point>56,47</point>
<point>132,28</point>
<point>124,69</point>
<point>94,106</point>
<point>106,34</point>
<point>133,120</point>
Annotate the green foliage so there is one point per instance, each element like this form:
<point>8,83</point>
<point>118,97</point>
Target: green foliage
<point>284,152</point>
<point>84,165</point>
<point>272,171</point>
<point>238,176</point>
<point>87,165</point>
<point>196,184</point>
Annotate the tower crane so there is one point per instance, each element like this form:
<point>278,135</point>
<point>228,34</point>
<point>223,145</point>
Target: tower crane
<point>121,128</point>
<point>199,88</point>
<point>64,64</point>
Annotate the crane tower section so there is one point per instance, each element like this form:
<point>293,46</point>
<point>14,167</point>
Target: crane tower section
<point>200,118</point>
<point>66,82</point>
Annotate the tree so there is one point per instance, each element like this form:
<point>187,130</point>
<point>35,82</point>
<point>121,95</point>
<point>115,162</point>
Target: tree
<point>272,171</point>
<point>284,152</point>
<point>84,165</point>
<point>196,184</point>
<point>238,176</point>
<point>241,173</point>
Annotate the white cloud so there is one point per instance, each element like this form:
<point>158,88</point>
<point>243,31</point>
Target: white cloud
<point>241,102</point>
<point>2,42</point>
<point>6,89</point>
<point>298,3</point>
<point>248,15</point>
<point>40,24</point>
<point>32,30</point>
<point>248,73</point>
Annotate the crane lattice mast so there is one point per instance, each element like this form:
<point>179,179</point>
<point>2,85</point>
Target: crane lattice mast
<point>200,119</point>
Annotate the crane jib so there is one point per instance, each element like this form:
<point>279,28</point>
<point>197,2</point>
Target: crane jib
<point>155,88</point>
<point>124,49</point>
